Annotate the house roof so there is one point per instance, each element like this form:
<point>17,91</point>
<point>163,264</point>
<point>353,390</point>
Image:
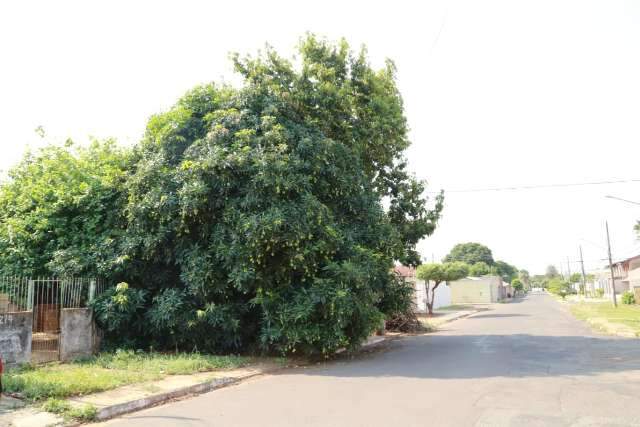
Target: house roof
<point>405,271</point>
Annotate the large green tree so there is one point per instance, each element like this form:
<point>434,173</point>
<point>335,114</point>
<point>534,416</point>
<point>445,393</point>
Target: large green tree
<point>470,253</point>
<point>507,271</point>
<point>255,215</point>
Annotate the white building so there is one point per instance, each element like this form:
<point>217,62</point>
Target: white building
<point>442,295</point>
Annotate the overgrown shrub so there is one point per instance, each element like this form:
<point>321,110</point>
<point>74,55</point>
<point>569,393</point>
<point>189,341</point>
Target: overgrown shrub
<point>120,314</point>
<point>599,292</point>
<point>560,287</point>
<point>247,218</point>
<point>628,298</point>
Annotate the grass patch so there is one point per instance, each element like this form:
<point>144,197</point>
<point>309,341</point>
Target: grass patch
<point>627,315</point>
<point>68,412</point>
<point>108,371</point>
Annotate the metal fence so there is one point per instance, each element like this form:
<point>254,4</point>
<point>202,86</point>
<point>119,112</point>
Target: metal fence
<point>46,298</point>
<point>23,293</point>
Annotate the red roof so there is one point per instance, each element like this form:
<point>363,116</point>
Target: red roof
<point>404,271</point>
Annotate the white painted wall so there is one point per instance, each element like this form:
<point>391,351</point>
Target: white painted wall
<point>442,296</point>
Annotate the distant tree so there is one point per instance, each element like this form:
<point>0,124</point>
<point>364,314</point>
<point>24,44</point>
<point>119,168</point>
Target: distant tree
<point>507,271</point>
<point>524,277</point>
<point>517,285</point>
<point>470,253</point>
<point>575,278</point>
<point>559,287</point>
<point>539,281</point>
<point>551,272</point>
<point>438,273</point>
<point>479,269</point>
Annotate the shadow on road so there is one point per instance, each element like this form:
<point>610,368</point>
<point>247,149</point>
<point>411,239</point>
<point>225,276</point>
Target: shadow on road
<point>484,356</point>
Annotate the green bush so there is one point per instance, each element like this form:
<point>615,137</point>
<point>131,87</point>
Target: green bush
<point>266,216</point>
<point>599,292</point>
<point>628,298</point>
<point>560,287</point>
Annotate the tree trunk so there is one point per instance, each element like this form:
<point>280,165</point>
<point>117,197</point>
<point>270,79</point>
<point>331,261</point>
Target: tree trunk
<point>432,299</point>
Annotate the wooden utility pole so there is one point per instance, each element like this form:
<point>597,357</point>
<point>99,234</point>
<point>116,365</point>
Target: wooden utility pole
<point>584,276</point>
<point>568,269</point>
<point>613,280</point>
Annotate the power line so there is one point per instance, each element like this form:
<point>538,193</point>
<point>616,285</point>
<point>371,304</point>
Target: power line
<point>537,186</point>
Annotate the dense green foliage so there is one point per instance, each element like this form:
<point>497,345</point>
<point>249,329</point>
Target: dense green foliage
<point>507,271</point>
<point>470,253</point>
<point>480,269</point>
<point>517,285</point>
<point>481,262</point>
<point>61,211</point>
<point>628,298</point>
<point>559,287</point>
<point>248,217</point>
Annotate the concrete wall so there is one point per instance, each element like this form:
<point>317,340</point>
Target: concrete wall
<point>15,337</point>
<point>478,290</point>
<point>78,335</point>
<point>442,295</point>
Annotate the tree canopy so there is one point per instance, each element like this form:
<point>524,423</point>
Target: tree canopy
<point>247,216</point>
<point>61,211</point>
<point>507,271</point>
<point>551,272</point>
<point>480,269</point>
<point>470,253</point>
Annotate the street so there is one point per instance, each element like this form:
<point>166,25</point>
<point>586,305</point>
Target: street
<point>528,362</point>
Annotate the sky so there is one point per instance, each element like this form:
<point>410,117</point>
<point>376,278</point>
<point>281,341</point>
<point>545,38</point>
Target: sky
<point>497,94</point>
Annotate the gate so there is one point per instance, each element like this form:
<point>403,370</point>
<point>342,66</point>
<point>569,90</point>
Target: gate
<point>50,298</point>
<point>46,299</point>
<point>45,335</point>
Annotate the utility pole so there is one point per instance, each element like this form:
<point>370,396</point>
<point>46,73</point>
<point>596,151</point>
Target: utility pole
<point>613,281</point>
<point>584,276</point>
<point>568,268</point>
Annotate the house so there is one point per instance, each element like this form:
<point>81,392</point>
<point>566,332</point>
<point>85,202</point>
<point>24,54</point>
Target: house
<point>507,290</point>
<point>626,274</point>
<point>442,296</point>
<point>477,290</point>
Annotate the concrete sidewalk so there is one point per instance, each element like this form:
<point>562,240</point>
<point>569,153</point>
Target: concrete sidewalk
<point>134,397</point>
<point>440,317</point>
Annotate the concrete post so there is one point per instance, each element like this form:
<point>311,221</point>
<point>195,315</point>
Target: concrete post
<point>30,295</point>
<point>92,290</point>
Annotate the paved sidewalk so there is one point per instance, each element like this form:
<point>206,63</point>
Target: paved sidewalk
<point>134,397</point>
<point>440,317</point>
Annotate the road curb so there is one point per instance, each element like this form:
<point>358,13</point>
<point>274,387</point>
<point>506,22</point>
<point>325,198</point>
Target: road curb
<point>118,409</point>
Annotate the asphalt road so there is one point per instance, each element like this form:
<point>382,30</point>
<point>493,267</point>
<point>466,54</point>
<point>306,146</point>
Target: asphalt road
<point>527,363</point>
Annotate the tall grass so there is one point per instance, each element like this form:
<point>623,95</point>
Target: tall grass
<point>107,371</point>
